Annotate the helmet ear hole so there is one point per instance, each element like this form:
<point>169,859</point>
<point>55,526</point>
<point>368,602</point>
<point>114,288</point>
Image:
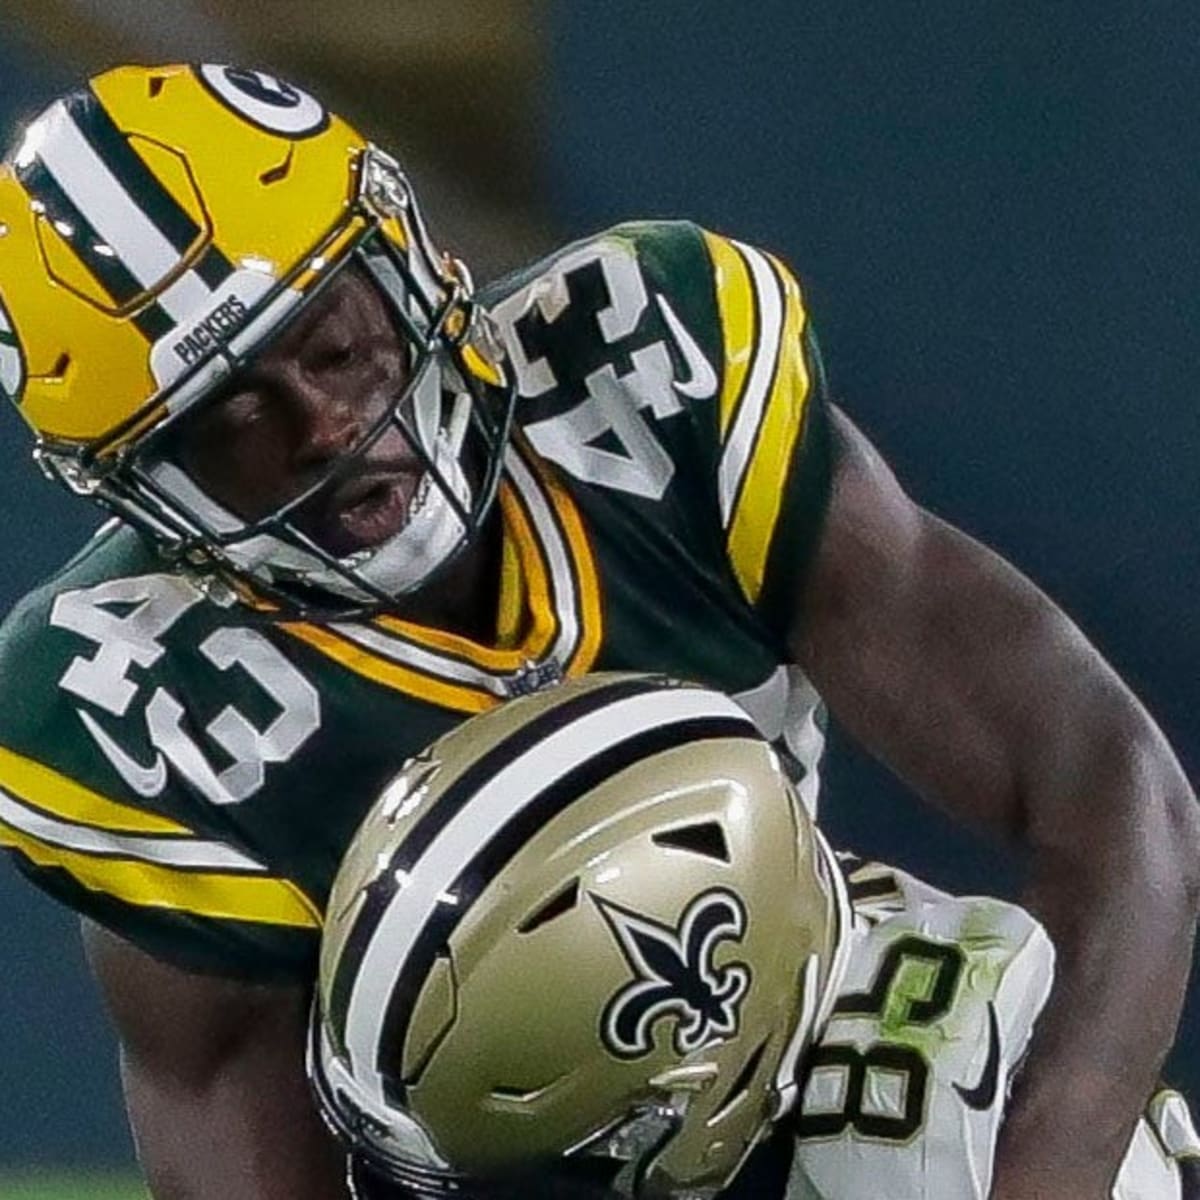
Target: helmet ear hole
<point>706,839</point>
<point>558,905</point>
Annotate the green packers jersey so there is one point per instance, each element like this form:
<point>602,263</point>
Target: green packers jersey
<point>188,773</point>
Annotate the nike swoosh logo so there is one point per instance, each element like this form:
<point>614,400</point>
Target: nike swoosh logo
<point>983,1095</point>
<point>702,379</point>
<point>146,781</point>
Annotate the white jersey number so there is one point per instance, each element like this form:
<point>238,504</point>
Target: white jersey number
<point>126,618</point>
<point>587,327</point>
<point>879,1091</point>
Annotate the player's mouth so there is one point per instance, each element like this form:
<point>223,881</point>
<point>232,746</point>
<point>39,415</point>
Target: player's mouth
<point>369,508</point>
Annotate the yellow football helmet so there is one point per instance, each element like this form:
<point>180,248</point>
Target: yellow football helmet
<point>583,939</point>
<point>157,228</point>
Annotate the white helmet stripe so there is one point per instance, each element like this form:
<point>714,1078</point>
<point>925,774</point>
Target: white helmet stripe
<point>12,365</point>
<point>128,231</point>
<point>429,883</point>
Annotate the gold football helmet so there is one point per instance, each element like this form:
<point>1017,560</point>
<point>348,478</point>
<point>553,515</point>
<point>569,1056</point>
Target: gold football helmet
<point>583,939</point>
<point>157,228</point>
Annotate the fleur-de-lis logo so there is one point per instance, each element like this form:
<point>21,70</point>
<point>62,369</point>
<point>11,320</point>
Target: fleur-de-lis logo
<point>674,975</point>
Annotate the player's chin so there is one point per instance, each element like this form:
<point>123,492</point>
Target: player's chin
<point>362,522</point>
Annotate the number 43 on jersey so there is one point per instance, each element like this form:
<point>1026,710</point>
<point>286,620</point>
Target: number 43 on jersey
<point>587,329</point>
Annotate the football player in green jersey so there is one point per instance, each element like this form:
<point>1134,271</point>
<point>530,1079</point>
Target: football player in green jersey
<point>357,501</point>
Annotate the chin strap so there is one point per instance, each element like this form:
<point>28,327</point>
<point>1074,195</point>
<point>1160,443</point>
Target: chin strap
<point>433,532</point>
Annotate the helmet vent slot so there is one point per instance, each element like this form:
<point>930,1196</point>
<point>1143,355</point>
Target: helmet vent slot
<point>514,1094</point>
<point>156,85</point>
<point>61,367</point>
<point>739,1087</point>
<point>706,839</point>
<point>278,174</point>
<point>560,903</point>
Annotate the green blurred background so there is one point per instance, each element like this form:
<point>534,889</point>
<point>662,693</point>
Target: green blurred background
<point>47,1184</point>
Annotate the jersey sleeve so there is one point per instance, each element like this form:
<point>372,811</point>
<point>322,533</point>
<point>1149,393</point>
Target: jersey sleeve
<point>773,467</point>
<point>186,891</point>
<point>674,375</point>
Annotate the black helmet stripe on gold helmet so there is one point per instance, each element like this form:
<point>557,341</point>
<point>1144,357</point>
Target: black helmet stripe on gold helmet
<point>479,824</point>
<point>116,215</point>
<point>589,933</point>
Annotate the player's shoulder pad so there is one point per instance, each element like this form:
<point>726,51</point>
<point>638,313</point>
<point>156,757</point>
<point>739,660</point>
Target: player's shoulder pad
<point>668,250</point>
<point>86,798</point>
<point>635,281</point>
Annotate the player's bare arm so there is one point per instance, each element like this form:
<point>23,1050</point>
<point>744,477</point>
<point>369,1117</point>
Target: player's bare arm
<point>964,678</point>
<point>213,1072</point>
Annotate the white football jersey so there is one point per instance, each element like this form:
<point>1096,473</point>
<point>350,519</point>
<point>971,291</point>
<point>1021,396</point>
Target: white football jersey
<point>907,1087</point>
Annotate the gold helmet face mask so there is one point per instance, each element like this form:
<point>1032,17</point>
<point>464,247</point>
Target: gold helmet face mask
<point>581,942</point>
<point>157,231</point>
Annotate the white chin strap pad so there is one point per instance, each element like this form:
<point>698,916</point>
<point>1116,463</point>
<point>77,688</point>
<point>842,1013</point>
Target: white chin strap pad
<point>433,532</point>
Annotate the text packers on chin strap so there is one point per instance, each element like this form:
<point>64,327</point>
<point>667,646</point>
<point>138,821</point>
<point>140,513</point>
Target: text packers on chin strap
<point>584,939</point>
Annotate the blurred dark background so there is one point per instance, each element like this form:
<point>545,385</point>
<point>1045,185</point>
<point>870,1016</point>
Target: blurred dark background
<point>992,207</point>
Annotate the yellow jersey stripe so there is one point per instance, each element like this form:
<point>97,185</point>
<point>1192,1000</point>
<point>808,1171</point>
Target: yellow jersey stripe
<point>187,853</point>
<point>737,445</point>
<point>443,687</point>
<point>57,795</point>
<point>587,585</point>
<point>735,302</point>
<point>258,898</point>
<point>446,685</point>
<point>512,597</point>
<point>534,580</point>
<point>432,688</point>
<point>556,588</point>
<point>766,475</point>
